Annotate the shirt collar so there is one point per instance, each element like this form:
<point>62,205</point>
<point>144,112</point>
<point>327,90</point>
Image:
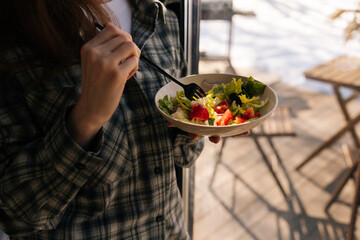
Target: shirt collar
<point>149,11</point>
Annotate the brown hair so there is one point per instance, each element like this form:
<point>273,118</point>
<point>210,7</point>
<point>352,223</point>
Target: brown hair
<point>54,29</point>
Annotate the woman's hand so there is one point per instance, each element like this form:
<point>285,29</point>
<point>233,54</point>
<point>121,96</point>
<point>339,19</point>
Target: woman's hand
<point>214,139</point>
<point>107,62</point>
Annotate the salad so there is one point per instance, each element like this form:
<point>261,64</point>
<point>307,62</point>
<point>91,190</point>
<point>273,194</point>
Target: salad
<point>225,104</point>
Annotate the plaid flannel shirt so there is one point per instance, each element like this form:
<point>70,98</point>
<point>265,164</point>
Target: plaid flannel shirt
<point>50,188</point>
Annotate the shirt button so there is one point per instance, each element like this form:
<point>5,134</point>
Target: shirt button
<point>157,170</point>
<point>160,218</point>
<point>79,165</point>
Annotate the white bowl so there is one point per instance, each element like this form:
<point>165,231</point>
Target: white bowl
<point>171,88</point>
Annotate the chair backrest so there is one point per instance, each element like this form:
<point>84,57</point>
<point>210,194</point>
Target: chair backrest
<point>278,124</point>
<point>216,10</point>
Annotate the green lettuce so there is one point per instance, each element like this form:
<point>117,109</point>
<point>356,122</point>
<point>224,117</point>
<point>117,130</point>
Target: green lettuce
<point>255,102</point>
<point>233,87</point>
<point>166,105</point>
<point>182,101</point>
<point>254,88</point>
<point>217,91</point>
<point>221,91</point>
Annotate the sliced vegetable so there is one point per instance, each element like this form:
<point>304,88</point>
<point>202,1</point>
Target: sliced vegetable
<point>239,120</point>
<point>249,113</point>
<point>222,107</point>
<point>211,121</point>
<point>200,112</point>
<point>224,120</point>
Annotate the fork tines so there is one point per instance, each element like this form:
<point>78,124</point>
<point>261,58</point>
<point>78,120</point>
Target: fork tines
<point>199,94</point>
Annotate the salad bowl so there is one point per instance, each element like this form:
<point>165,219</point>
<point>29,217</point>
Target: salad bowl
<point>207,82</point>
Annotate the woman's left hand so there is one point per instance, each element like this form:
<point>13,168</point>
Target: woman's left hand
<point>214,139</point>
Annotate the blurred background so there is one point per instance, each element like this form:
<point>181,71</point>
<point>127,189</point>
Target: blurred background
<point>279,37</point>
<point>253,188</point>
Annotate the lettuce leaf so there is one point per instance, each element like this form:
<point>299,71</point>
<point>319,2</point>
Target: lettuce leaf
<point>181,115</point>
<point>217,91</point>
<point>166,105</point>
<point>223,90</point>
<point>233,87</point>
<point>254,88</point>
<point>255,102</point>
<point>182,101</point>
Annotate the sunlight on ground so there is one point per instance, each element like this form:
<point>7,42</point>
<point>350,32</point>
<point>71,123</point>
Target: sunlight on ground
<point>284,38</point>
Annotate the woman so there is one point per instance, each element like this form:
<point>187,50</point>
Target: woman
<point>84,153</point>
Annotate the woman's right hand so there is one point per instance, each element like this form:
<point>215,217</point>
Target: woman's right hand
<point>107,61</point>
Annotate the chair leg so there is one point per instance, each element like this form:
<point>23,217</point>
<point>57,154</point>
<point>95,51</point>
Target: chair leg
<point>266,160</point>
<point>351,227</point>
<point>218,161</point>
<point>264,157</point>
<point>351,123</point>
<point>341,185</point>
<point>221,148</point>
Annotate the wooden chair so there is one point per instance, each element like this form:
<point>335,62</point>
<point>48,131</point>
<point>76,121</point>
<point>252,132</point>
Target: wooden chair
<point>352,157</point>
<point>278,124</point>
<point>221,10</point>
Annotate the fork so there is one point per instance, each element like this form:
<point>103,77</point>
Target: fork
<point>192,91</point>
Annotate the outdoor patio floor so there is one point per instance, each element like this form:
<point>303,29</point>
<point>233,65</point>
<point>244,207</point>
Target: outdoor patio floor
<point>239,198</point>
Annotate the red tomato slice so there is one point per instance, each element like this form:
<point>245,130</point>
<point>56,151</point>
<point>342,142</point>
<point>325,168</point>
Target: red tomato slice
<point>224,120</point>
<point>249,113</point>
<point>199,112</point>
<point>239,120</point>
<point>222,107</point>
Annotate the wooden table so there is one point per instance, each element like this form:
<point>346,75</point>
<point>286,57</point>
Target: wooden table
<point>342,71</point>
